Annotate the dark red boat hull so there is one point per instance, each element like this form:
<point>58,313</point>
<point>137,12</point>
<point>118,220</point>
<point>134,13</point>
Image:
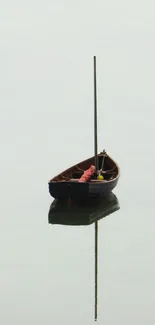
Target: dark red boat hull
<point>63,190</point>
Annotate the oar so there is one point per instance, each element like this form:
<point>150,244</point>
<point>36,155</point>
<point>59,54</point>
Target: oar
<point>102,163</point>
<point>103,160</point>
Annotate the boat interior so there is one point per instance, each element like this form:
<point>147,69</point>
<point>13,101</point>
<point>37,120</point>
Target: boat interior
<point>109,170</point>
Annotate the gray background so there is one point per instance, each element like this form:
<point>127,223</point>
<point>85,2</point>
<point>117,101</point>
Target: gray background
<point>46,125</point>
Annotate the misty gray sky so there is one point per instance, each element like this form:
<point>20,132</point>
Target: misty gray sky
<point>46,125</point>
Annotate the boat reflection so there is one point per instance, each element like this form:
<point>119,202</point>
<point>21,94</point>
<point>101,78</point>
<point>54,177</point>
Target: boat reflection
<point>82,213</point>
<point>86,213</point>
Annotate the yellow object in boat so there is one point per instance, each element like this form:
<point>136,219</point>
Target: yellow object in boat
<point>100,177</point>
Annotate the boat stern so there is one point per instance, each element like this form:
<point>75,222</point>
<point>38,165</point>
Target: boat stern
<point>64,190</point>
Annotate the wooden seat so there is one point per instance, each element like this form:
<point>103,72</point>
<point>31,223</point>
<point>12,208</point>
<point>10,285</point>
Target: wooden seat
<point>91,180</point>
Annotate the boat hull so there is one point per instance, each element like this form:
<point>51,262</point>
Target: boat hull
<point>64,190</point>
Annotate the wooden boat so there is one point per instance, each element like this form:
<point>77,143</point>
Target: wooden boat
<point>77,214</point>
<point>67,185</point>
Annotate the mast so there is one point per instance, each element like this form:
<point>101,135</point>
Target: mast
<point>96,267</point>
<point>95,116</point>
<point>96,166</point>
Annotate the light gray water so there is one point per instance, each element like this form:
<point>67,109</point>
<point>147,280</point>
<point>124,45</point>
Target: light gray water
<point>46,125</point>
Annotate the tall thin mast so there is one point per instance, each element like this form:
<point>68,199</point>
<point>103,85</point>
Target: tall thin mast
<point>96,165</point>
<point>95,116</point>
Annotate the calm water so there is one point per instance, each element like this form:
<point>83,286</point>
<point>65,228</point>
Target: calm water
<point>46,125</point>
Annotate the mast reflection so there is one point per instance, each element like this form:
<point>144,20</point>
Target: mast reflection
<point>84,213</point>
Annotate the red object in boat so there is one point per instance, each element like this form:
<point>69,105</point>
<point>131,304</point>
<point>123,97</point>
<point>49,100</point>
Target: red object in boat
<point>87,174</point>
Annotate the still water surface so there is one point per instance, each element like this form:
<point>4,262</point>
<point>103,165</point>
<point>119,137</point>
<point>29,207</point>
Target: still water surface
<point>47,272</point>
